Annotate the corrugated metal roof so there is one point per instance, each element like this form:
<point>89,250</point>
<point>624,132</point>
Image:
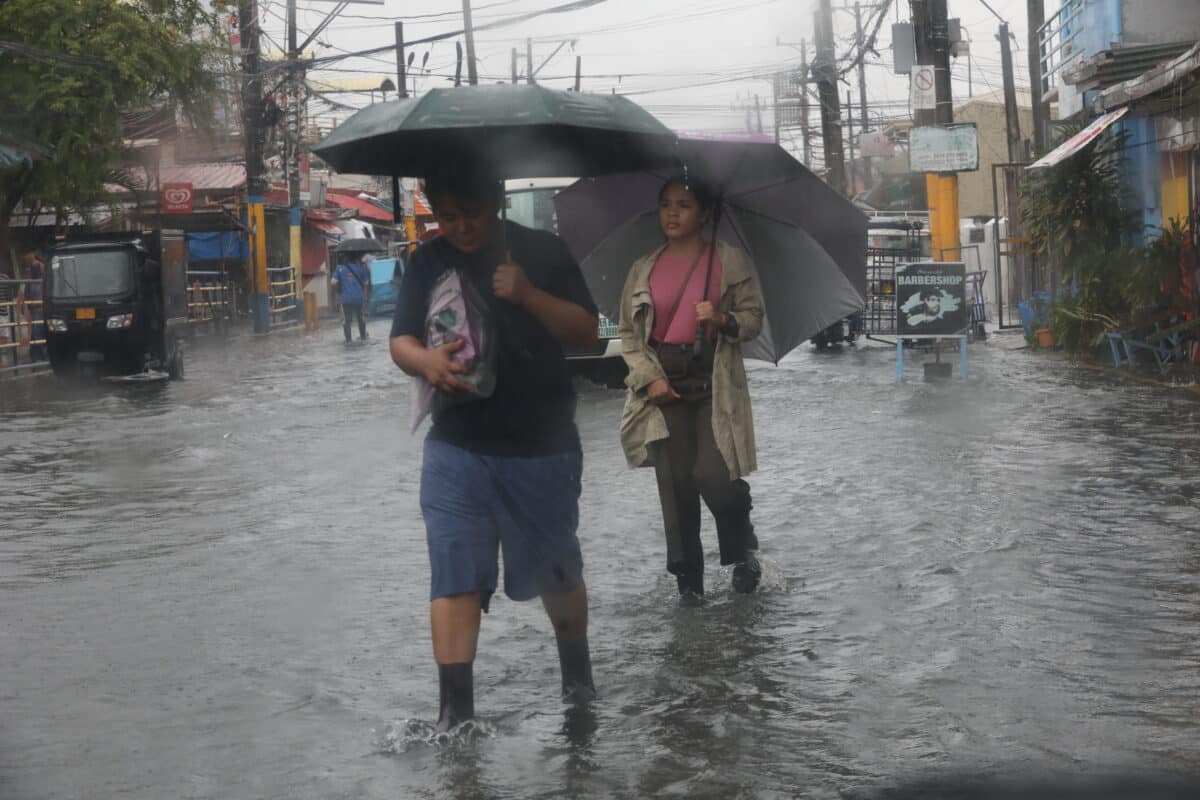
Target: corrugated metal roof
<point>208,176</point>
<point>1122,64</point>
<point>1155,80</point>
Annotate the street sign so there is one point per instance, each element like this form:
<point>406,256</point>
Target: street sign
<point>924,93</point>
<point>177,198</point>
<point>953,148</point>
<point>931,298</point>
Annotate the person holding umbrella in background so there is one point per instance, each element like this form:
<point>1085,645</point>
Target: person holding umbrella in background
<point>685,310</point>
<point>353,281</point>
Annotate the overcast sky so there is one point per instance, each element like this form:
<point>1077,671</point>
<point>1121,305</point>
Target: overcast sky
<point>696,64</point>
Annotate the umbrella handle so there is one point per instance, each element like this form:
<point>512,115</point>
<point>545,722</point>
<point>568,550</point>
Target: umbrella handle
<point>712,252</point>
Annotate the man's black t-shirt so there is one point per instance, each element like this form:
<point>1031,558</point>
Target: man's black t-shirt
<point>532,411</point>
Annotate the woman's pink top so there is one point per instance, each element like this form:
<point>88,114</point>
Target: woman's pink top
<point>665,280</point>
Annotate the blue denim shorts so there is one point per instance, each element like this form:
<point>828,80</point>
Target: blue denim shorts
<point>477,507</point>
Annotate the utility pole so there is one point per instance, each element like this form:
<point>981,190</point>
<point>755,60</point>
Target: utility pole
<point>853,186</point>
<point>862,65</point>
<point>254,141</point>
<point>1011,117</point>
<point>469,29</point>
<point>804,131</point>
<point>401,78</point>
<point>578,72</point>
<point>932,33</point>
<point>758,112</point>
<point>529,61</point>
<point>514,65</point>
<point>825,72</point>
<point>295,142</point>
<point>1036,11</point>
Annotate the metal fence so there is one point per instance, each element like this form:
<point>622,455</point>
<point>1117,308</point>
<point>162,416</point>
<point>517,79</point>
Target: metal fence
<point>22,327</point>
<point>285,297</point>
<point>212,299</point>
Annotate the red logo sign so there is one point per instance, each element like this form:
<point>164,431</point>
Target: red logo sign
<point>176,198</point>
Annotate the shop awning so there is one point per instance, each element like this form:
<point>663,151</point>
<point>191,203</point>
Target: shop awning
<point>327,228</point>
<point>365,208</point>
<point>1080,140</point>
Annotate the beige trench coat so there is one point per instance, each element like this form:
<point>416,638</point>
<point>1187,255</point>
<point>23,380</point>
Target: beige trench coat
<point>733,424</point>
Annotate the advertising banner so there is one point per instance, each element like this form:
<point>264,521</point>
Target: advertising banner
<point>177,198</point>
<point>931,299</point>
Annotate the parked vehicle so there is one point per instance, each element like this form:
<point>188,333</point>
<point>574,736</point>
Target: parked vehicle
<point>116,305</point>
<point>530,202</point>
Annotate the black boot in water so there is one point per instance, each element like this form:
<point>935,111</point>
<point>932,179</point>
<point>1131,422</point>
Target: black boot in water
<point>746,575</point>
<point>456,686</point>
<point>691,586</point>
<point>576,662</point>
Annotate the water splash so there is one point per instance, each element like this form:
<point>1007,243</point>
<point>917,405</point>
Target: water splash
<point>407,734</point>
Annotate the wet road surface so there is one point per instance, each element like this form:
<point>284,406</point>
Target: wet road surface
<point>218,589</point>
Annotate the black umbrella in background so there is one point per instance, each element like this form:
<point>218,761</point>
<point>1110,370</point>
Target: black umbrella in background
<point>807,242</point>
<point>360,245</point>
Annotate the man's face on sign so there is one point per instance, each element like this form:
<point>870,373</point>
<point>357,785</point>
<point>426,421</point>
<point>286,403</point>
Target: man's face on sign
<point>933,303</point>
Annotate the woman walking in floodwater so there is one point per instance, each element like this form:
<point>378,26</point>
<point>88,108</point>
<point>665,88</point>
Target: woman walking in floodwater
<point>685,311</point>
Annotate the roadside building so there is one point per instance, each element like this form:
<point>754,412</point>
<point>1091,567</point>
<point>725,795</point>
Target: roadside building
<point>986,111</point>
<point>1141,61</point>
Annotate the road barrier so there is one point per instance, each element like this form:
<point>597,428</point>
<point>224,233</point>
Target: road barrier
<point>284,297</point>
<point>22,327</point>
<point>210,298</point>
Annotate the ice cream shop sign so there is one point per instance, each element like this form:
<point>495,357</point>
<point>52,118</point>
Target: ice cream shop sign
<point>177,198</point>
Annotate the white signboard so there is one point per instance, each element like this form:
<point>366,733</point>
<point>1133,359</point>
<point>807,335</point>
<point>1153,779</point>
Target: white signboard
<point>924,93</point>
<point>876,144</point>
<point>954,148</point>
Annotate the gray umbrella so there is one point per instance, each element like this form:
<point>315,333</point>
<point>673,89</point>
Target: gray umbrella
<point>807,242</point>
<point>361,245</point>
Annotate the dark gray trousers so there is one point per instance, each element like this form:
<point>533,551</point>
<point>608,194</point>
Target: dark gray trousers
<point>689,467</point>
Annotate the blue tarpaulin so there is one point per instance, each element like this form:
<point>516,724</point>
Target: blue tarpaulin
<point>383,290</point>
<point>216,245</point>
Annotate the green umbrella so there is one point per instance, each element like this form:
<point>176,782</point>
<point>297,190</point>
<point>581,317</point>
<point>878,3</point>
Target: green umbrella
<point>518,130</point>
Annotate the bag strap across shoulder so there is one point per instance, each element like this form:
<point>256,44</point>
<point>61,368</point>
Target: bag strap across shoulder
<point>683,289</point>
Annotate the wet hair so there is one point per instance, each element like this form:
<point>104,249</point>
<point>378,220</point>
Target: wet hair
<point>704,195</point>
<point>465,184</point>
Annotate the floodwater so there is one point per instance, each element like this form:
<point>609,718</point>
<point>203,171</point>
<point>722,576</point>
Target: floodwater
<point>218,589</point>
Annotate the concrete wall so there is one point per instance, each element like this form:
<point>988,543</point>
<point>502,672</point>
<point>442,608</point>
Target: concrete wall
<point>1143,173</point>
<point>975,188</point>
<point>1159,22</point>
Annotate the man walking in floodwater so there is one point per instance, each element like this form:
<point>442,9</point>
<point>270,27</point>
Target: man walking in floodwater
<point>501,473</point>
<point>353,281</point>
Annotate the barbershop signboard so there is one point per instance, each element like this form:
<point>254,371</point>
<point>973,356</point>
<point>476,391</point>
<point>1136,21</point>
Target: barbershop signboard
<point>931,299</point>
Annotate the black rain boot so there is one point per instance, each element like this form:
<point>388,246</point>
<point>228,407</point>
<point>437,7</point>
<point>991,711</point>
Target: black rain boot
<point>691,586</point>
<point>575,660</point>
<point>456,687</point>
<point>746,574</point>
